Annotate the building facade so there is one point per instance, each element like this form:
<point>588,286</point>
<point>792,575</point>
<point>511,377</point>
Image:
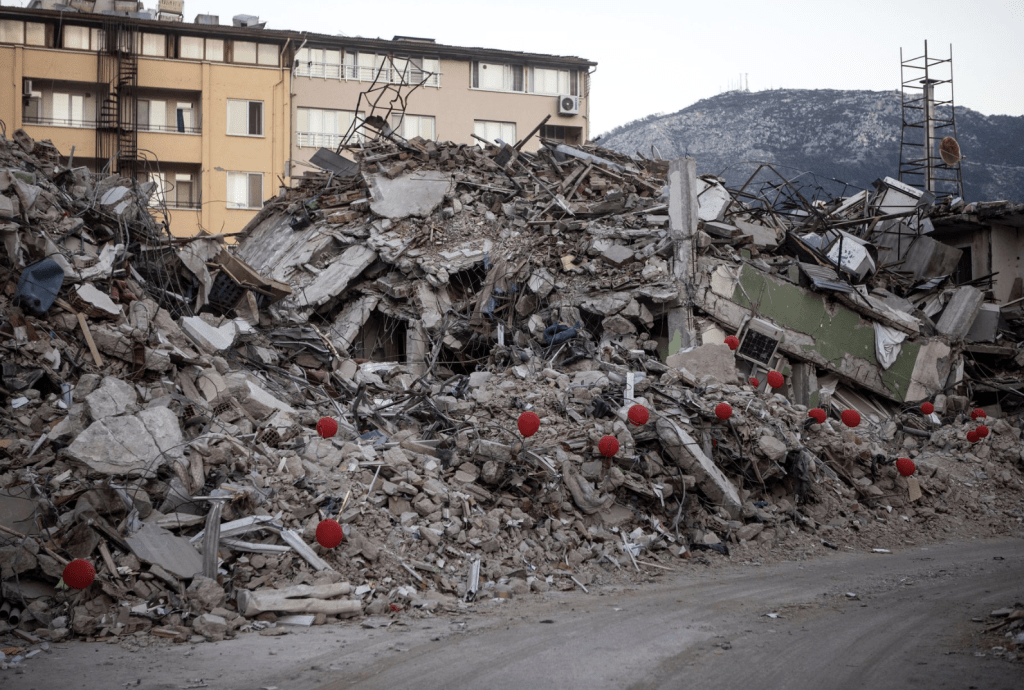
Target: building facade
<point>222,116</point>
<point>448,93</point>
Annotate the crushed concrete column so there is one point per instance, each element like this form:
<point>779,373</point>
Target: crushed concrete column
<point>417,347</point>
<point>682,228</point>
<point>688,454</point>
<point>805,384</point>
<point>960,312</point>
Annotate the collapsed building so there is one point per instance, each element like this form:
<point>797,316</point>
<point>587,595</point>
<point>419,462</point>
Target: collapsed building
<point>161,395</point>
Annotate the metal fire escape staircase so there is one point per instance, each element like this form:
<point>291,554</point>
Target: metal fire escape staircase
<point>118,70</point>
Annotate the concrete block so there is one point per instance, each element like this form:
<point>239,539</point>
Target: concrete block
<point>715,360</point>
<point>617,255</point>
<point>772,448</point>
<point>113,397</point>
<point>207,337</point>
<point>688,455</point>
<point>960,312</point>
<point>414,194</point>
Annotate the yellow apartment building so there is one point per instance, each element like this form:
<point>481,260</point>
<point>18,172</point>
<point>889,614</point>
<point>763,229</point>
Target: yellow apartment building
<point>203,110</point>
<point>223,116</point>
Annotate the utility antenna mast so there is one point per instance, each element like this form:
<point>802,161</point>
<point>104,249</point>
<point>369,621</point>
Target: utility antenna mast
<point>929,153</point>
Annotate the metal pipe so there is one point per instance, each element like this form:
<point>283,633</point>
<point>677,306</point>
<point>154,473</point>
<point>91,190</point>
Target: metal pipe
<point>14,617</point>
<point>5,611</point>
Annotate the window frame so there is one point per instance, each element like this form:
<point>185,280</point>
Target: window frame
<point>227,189</point>
<point>248,122</point>
<point>399,123</point>
<point>502,123</point>
<point>322,138</point>
<point>510,73</point>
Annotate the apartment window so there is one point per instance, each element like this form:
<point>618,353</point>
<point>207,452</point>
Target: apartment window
<point>12,31</point>
<point>554,82</point>
<point>566,135</point>
<point>154,45</point>
<point>185,118</point>
<point>83,38</point>
<point>152,115</point>
<point>426,71</point>
<point>364,66</point>
<point>266,54</point>
<point>492,131</point>
<point>245,190</point>
<point>411,126</point>
<point>319,62</point>
<point>318,127</point>
<point>33,107</point>
<point>497,77</point>
<point>68,109</point>
<point>158,197</point>
<point>183,191</point>
<point>195,48</point>
<point>245,118</point>
<point>35,34</point>
<point>243,52</point>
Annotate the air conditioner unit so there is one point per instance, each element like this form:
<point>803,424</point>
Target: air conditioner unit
<point>568,105</point>
<point>759,342</point>
<point>26,87</point>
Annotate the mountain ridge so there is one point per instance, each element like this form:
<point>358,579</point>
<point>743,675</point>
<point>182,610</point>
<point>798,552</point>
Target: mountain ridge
<point>847,135</point>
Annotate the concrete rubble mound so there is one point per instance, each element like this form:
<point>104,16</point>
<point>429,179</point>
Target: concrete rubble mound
<point>161,395</point>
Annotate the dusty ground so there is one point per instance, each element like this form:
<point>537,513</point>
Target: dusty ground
<point>909,625</point>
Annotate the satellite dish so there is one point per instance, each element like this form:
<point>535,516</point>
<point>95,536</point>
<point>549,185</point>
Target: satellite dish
<point>949,150</point>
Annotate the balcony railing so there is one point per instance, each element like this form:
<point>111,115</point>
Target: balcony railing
<point>325,70</point>
<point>173,129</point>
<point>60,122</point>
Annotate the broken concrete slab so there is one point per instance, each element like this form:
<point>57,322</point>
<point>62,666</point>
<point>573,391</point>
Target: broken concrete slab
<point>763,236</point>
<point>113,397</point>
<point>714,359</point>
<point>209,338</point>
<point>960,312</point>
<point>413,194</point>
<point>688,454</point>
<point>335,278</point>
<point>120,446</point>
<point>154,544</point>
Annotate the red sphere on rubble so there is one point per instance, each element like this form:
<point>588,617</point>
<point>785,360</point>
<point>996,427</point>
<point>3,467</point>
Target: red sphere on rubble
<point>905,466</point>
<point>851,418</point>
<point>609,446</point>
<point>818,415</point>
<point>79,574</point>
<point>982,431</point>
<point>972,436</point>
<point>927,408</point>
<point>723,411</point>
<point>733,342</point>
<point>775,379</point>
<point>978,413</point>
<point>639,415</point>
<point>529,423</point>
<point>329,534</point>
<point>753,381</point>
<point>326,427</point>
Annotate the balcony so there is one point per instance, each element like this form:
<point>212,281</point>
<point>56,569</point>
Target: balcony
<point>59,122</point>
<point>173,129</point>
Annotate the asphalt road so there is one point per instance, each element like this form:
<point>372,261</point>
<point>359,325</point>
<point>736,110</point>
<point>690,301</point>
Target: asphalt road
<point>908,626</point>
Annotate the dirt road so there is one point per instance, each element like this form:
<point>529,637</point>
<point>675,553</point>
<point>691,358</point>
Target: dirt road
<point>908,626</point>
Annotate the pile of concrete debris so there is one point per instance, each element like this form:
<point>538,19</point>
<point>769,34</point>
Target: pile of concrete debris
<point>161,396</point>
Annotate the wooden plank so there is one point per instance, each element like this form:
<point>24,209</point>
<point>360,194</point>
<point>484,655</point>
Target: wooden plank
<point>88,339</point>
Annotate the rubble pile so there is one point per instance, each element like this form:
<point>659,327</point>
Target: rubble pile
<point>160,414</point>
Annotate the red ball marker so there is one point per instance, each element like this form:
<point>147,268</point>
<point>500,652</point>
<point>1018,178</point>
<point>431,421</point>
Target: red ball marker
<point>927,408</point>
<point>978,413</point>
<point>733,342</point>
<point>329,534</point>
<point>753,381</point>
<point>775,379</point>
<point>79,574</point>
<point>905,466</point>
<point>609,446</point>
<point>723,411</point>
<point>638,415</point>
<point>817,414</point>
<point>972,436</point>
<point>982,431</point>
<point>528,423</point>
<point>851,418</point>
<point>326,427</point>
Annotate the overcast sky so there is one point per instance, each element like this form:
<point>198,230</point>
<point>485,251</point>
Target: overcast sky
<point>659,56</point>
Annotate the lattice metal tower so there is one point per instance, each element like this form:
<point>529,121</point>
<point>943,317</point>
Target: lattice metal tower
<point>928,159</point>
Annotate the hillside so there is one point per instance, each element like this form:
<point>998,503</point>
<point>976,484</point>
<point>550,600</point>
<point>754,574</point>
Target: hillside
<point>853,136</point>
